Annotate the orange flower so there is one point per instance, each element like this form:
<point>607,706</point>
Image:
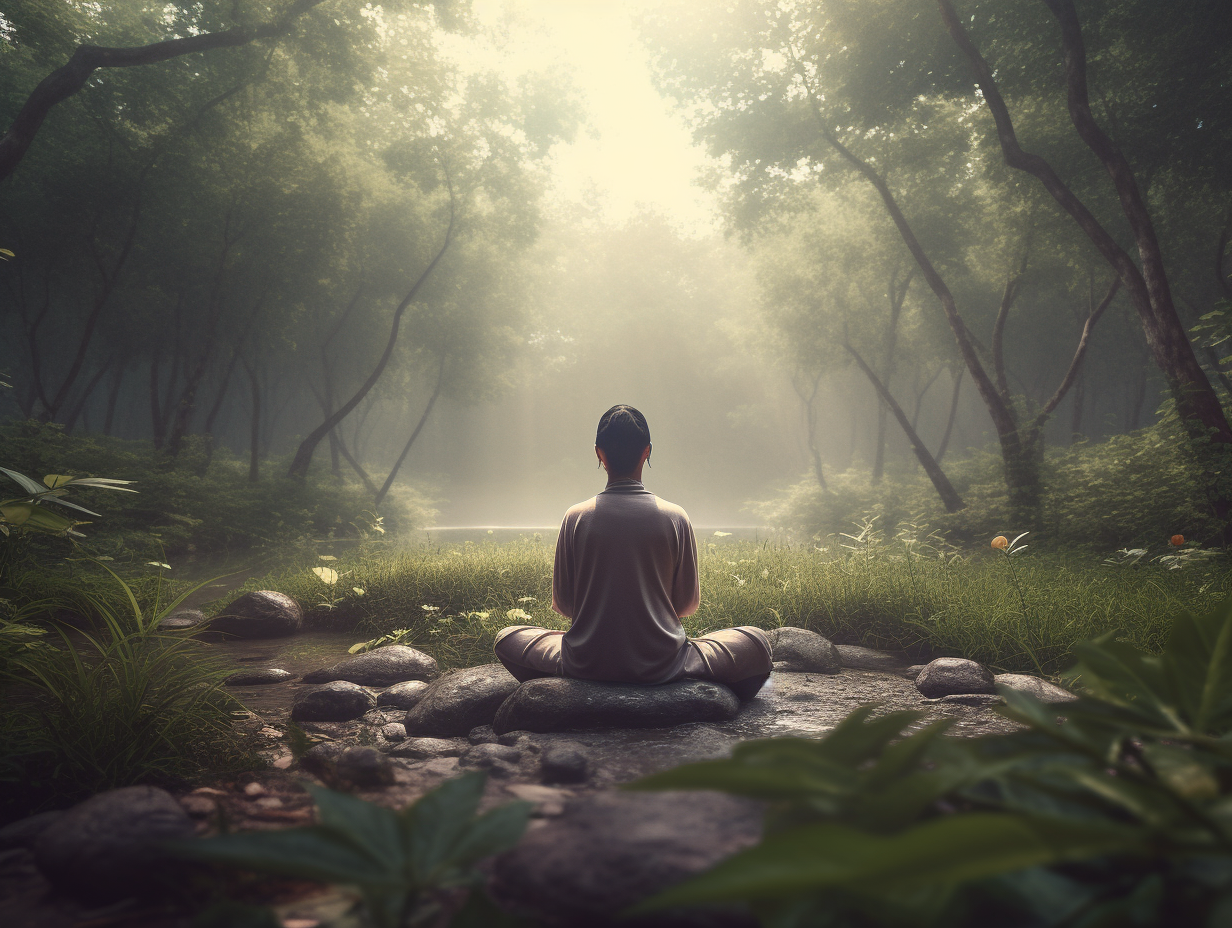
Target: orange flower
<point>1178,540</point>
<point>1000,542</point>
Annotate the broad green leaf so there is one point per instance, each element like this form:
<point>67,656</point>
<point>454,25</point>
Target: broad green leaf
<point>1198,666</point>
<point>495,831</point>
<point>950,850</point>
<point>438,822</point>
<point>30,486</point>
<point>369,828</point>
<point>326,575</point>
<point>309,853</point>
<point>56,480</point>
<point>38,518</point>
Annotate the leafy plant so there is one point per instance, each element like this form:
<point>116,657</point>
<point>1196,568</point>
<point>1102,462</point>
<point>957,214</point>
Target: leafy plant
<point>1115,809</point>
<point>28,513</point>
<point>112,705</point>
<point>407,868</point>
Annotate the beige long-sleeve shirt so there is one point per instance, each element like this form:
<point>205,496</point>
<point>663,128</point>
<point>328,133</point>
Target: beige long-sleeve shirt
<point>625,573</point>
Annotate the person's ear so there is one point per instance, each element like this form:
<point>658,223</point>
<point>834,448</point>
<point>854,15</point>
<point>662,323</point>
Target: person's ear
<point>601,456</point>
<point>646,454</point>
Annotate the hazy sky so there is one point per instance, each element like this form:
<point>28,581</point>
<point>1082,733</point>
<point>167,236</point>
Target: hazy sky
<point>635,150</point>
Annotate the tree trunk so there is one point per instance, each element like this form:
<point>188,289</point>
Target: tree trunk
<point>113,396</point>
<point>79,407</point>
<point>389,481</point>
<point>1075,419</point>
<point>898,295</point>
<point>949,496</point>
<point>808,401</point>
<point>303,455</point>
<point>1196,400</point>
<point>949,422</point>
<point>254,425</point>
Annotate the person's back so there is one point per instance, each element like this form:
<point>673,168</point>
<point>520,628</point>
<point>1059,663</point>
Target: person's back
<point>626,573</point>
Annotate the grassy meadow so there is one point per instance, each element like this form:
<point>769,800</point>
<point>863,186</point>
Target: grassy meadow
<point>911,592</point>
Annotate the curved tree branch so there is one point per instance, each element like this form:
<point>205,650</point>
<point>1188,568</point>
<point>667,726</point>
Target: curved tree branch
<point>67,80</point>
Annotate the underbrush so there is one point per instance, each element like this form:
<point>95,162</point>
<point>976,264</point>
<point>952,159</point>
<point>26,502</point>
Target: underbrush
<point>1127,490</point>
<point>912,593</point>
<point>110,702</point>
<point>199,502</point>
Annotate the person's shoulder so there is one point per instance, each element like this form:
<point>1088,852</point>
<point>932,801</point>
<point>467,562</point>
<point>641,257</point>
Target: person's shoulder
<point>672,510</point>
<point>576,511</point>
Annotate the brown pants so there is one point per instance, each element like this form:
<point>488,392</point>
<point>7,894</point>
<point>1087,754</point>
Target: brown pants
<point>738,657</point>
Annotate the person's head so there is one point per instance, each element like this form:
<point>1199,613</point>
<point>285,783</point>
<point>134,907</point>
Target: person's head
<point>624,438</point>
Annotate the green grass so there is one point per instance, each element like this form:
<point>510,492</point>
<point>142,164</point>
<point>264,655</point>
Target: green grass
<point>914,594</point>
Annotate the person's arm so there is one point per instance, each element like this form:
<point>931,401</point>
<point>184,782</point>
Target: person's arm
<point>563,575</point>
<point>686,585</point>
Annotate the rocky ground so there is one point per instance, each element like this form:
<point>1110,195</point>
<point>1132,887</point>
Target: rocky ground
<point>388,727</point>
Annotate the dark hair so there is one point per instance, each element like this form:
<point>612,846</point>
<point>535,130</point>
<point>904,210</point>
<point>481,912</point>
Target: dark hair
<point>623,435</point>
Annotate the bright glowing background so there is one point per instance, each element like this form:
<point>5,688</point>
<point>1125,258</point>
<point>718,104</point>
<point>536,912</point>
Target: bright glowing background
<point>634,152</point>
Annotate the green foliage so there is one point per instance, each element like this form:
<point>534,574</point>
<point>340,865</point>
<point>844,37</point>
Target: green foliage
<point>27,513</point>
<point>200,504</point>
<point>904,588</point>
<point>406,867</point>
<point>1129,490</point>
<point>112,705</point>
<point>1111,810</point>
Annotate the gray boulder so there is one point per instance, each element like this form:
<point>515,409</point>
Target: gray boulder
<point>23,832</point>
<point>349,767</point>
<point>393,731</point>
<point>461,701</point>
<point>1038,687</point>
<point>394,663</point>
<point>263,614</point>
<point>337,701</point>
<point>108,847</point>
<point>612,849</point>
<point>259,676</point>
<point>861,658</point>
<point>564,762</point>
<point>954,676</point>
<point>181,619</point>
<point>558,704</point>
<point>798,650</point>
<point>498,759</point>
<point>427,748</point>
<point>402,695</point>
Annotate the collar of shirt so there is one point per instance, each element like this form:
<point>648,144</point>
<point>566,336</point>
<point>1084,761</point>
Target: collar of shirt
<point>624,485</point>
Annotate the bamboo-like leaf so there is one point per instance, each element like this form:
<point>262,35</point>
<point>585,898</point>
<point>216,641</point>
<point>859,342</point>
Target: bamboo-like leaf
<point>56,480</point>
<point>30,486</point>
<point>101,483</point>
<point>50,498</point>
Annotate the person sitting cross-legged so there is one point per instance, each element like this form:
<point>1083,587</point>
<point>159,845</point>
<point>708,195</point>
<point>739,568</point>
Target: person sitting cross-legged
<point>626,574</point>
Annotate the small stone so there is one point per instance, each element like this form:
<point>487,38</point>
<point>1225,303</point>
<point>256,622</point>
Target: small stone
<point>564,762</point>
<point>379,716</point>
<point>253,790</point>
<point>199,806</point>
<point>968,699</point>
<point>320,758</point>
<point>337,701</point>
<point>550,704</point>
<point>953,676</point>
<point>402,695</point>
<point>385,666</point>
<point>1038,687</point>
<point>394,731</point>
<point>181,619</point>
<point>261,676</point>
<point>23,832</point>
<point>513,737</point>
<point>268,802</point>
<point>861,658</point>
<point>798,650</point>
<point>499,759</point>
<point>460,701</point>
<point>263,614</point>
<point>424,748</point>
<point>914,671</point>
<point>110,846</point>
<point>483,734</point>
<point>354,766</point>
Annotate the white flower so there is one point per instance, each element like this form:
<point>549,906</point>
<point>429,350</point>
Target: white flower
<point>739,581</point>
<point>155,564</point>
<point>765,574</point>
<point>326,557</point>
<point>359,591</point>
<point>430,608</point>
<point>513,614</point>
<point>526,599</point>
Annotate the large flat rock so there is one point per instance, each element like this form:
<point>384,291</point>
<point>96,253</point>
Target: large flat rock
<point>559,704</point>
<point>612,849</point>
<point>263,614</point>
<point>457,702</point>
<point>394,663</point>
